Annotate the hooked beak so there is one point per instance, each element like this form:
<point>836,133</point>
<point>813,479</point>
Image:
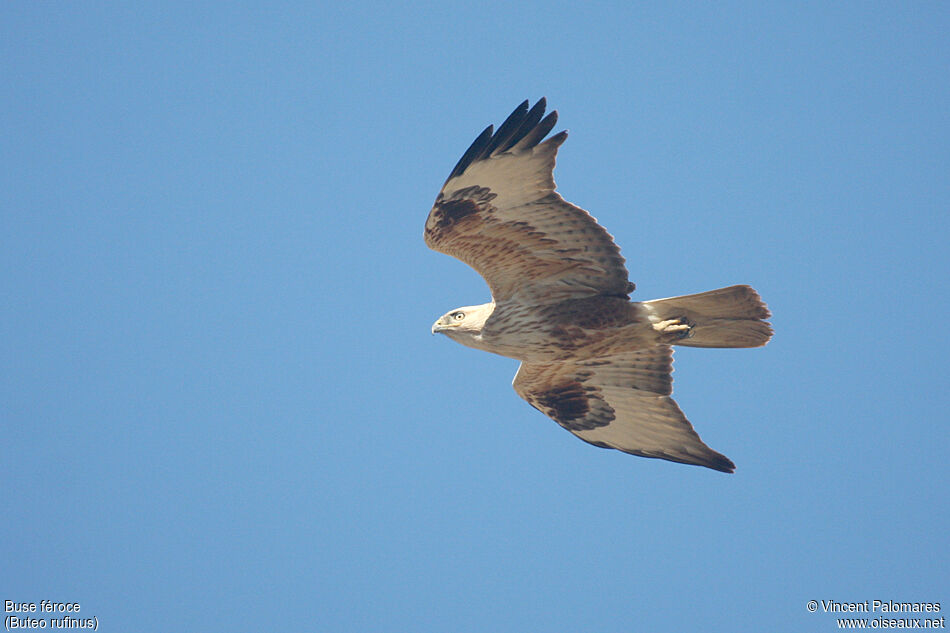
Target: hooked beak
<point>441,325</point>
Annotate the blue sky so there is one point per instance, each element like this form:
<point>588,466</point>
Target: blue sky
<point>222,408</point>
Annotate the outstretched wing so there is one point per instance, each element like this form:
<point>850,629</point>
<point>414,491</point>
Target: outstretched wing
<point>498,212</point>
<point>622,402</point>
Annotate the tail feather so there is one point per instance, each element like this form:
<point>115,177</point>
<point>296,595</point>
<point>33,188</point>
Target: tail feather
<point>726,317</point>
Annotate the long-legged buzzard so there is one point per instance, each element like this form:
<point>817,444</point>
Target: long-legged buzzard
<point>591,359</point>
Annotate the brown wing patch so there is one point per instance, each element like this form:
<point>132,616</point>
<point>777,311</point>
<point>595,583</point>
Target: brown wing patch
<point>574,406</point>
<point>462,204</point>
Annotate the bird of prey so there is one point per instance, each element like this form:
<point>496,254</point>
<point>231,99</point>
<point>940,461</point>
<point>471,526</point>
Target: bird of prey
<point>597,363</point>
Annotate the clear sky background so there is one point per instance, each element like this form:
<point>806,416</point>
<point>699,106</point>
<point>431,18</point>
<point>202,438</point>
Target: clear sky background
<point>222,408</point>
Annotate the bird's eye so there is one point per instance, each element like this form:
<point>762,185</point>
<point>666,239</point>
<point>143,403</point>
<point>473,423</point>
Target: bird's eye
<point>458,316</point>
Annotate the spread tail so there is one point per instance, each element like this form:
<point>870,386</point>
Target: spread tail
<point>727,317</point>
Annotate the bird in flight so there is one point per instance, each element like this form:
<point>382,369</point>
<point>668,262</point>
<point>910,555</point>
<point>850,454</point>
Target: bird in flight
<point>595,362</point>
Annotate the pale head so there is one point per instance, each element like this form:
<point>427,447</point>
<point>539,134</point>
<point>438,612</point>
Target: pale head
<point>464,325</point>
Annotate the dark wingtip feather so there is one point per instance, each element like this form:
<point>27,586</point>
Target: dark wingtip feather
<point>474,149</point>
<point>558,138</point>
<point>529,122</point>
<point>534,136</point>
<point>713,460</point>
<point>507,129</point>
<point>523,127</point>
<point>721,463</point>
